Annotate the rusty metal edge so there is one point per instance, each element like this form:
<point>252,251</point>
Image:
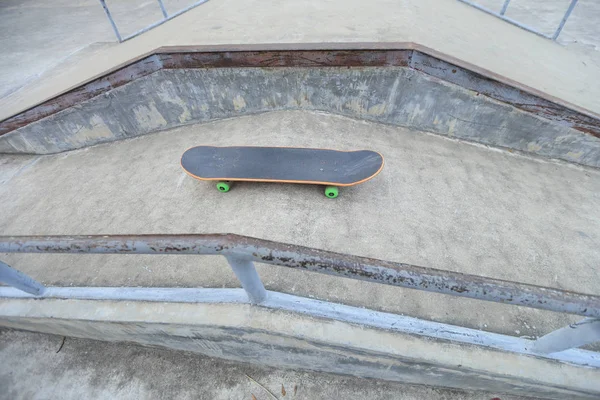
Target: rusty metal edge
<point>379,46</point>
<point>310,259</point>
<point>486,73</point>
<point>29,115</point>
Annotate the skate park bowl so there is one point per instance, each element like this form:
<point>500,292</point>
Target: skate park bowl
<point>391,85</point>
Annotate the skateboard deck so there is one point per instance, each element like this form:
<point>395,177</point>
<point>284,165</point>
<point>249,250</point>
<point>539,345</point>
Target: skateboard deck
<point>281,164</point>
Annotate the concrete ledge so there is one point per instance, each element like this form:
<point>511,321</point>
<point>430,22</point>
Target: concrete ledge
<point>400,87</point>
<point>293,332</point>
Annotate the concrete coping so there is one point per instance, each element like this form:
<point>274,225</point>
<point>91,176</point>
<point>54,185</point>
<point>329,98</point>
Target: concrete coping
<point>406,54</point>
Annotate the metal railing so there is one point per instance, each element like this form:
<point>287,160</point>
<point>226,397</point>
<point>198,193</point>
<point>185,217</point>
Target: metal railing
<point>163,9</point>
<point>502,15</point>
<point>241,252</point>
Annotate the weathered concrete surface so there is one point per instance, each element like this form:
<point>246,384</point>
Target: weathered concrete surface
<point>447,26</point>
<point>393,95</point>
<point>30,366</point>
<point>289,340</point>
<point>438,203</point>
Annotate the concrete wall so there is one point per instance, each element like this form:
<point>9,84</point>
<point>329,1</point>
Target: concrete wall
<point>288,339</point>
<point>392,95</point>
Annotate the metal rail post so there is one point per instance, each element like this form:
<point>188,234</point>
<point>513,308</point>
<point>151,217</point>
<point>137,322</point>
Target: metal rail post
<point>163,9</point>
<point>246,273</point>
<point>112,21</point>
<point>504,7</point>
<point>564,19</point>
<point>19,280</point>
<point>574,335</point>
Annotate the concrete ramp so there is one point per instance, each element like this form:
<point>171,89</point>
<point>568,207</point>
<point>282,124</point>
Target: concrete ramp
<point>439,203</point>
<point>402,85</point>
<point>459,206</point>
<point>291,332</point>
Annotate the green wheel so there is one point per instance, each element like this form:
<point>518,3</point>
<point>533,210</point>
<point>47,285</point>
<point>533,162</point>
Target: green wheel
<point>223,187</point>
<point>331,192</point>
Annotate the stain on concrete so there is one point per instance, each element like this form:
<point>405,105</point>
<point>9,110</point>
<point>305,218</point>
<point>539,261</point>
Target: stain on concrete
<point>239,103</point>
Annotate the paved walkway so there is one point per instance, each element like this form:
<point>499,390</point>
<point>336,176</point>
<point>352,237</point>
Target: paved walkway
<point>438,203</point>
<point>571,74</point>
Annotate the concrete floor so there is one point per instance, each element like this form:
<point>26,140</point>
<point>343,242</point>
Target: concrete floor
<point>438,203</point>
<point>31,368</point>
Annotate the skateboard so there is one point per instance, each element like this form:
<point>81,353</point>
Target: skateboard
<point>330,168</point>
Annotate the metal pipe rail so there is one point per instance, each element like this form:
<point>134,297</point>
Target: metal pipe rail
<point>242,251</point>
<point>501,15</point>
